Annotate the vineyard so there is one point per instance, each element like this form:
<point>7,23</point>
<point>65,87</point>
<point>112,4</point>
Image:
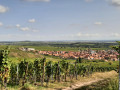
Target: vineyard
<point>41,72</point>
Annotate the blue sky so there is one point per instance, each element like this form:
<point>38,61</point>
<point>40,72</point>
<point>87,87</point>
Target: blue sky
<point>59,20</point>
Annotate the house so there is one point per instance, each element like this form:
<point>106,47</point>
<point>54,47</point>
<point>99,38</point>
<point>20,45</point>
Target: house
<point>26,49</point>
<point>30,49</point>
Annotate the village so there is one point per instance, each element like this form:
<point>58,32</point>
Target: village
<point>88,54</point>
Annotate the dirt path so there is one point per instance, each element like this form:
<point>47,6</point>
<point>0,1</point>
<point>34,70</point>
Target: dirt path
<point>96,77</point>
<point>76,86</point>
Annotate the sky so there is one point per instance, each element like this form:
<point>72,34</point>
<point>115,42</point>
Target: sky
<point>44,20</point>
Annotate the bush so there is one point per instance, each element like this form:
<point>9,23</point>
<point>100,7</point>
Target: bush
<point>110,63</point>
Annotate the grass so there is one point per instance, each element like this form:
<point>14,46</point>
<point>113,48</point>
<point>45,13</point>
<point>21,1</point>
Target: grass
<point>107,84</point>
<point>113,84</point>
<point>103,64</point>
<point>48,48</point>
<point>27,86</point>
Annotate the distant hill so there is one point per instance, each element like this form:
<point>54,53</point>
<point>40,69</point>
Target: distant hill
<point>65,43</point>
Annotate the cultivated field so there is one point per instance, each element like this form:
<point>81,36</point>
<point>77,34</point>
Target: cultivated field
<point>29,70</point>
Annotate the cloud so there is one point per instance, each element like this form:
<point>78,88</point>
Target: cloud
<point>98,23</point>
<point>87,35</point>
<point>17,25</point>
<point>3,9</point>
<point>1,24</point>
<point>37,0</point>
<point>116,2</point>
<point>32,20</point>
<point>115,34</point>
<point>24,29</point>
<point>27,29</point>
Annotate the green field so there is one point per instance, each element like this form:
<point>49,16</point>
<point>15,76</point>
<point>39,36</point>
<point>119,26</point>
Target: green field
<point>17,56</point>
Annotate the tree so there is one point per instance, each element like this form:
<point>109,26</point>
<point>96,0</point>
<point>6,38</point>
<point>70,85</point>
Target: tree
<point>30,71</point>
<point>13,73</point>
<point>4,67</point>
<point>37,70</point>
<point>117,48</point>
<point>79,60</point>
<point>48,71</point>
<point>56,71</point>
<point>42,62</point>
<point>64,68</point>
<point>75,70</point>
<point>23,72</point>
